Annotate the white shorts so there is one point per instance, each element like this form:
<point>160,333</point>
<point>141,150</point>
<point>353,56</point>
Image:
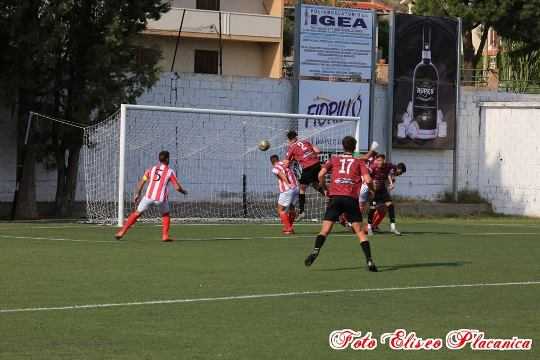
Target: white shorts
<point>289,197</point>
<point>146,203</point>
<point>364,194</point>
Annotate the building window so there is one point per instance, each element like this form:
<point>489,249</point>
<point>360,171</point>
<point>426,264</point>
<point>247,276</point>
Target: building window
<point>206,62</point>
<point>145,56</point>
<point>208,5</point>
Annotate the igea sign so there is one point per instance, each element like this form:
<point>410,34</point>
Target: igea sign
<point>341,21</point>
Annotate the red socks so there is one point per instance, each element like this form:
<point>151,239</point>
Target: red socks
<point>131,220</point>
<point>166,225</point>
<point>287,226</point>
<point>292,217</point>
<point>378,218</point>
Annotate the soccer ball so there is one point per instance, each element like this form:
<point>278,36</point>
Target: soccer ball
<point>264,145</point>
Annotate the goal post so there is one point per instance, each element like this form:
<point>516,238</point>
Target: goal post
<point>208,147</point>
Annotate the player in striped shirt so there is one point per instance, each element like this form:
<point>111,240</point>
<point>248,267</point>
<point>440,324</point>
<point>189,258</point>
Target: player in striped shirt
<point>159,177</point>
<point>288,193</point>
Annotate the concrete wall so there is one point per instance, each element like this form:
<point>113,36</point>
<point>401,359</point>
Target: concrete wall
<point>429,172</point>
<point>220,92</point>
<point>509,157</point>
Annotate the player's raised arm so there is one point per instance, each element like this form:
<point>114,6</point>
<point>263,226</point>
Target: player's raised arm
<point>316,149</point>
<point>371,153</point>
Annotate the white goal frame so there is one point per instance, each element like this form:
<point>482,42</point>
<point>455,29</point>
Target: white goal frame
<point>256,114</point>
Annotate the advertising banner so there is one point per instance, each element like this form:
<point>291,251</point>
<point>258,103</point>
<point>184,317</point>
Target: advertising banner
<point>335,99</point>
<point>335,42</point>
<point>425,78</point>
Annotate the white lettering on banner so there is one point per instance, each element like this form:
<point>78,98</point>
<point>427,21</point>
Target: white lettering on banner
<point>425,91</point>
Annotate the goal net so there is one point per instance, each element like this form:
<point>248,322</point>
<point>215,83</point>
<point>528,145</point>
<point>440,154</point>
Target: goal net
<point>215,156</point>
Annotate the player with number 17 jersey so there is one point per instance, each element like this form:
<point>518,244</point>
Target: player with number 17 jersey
<point>346,178</point>
<point>347,175</point>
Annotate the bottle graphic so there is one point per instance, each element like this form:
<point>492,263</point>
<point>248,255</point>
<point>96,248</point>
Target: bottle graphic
<point>425,93</point>
<point>306,17</point>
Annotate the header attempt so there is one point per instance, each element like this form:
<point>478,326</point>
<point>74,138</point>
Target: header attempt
<point>335,42</point>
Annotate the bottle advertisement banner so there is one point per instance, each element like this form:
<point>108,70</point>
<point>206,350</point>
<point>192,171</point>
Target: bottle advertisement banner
<point>425,80</point>
<point>334,99</point>
<point>335,42</point>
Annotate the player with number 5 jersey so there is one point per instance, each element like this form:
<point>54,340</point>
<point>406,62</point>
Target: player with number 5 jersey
<point>347,175</point>
<point>158,178</point>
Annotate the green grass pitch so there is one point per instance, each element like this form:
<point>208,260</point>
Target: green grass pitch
<point>211,271</point>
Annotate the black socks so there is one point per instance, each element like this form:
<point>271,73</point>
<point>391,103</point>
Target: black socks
<point>392,213</point>
<point>319,242</point>
<point>366,249</point>
<point>370,214</point>
<point>302,202</point>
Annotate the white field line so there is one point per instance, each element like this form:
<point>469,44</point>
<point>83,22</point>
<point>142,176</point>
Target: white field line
<point>266,296</point>
<point>11,227</point>
<point>500,233</point>
<point>57,239</point>
<point>194,239</point>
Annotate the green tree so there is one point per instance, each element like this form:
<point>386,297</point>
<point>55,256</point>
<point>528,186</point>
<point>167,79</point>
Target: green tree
<point>516,19</point>
<point>519,67</point>
<point>73,59</point>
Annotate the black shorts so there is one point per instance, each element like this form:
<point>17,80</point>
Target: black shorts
<point>381,196</point>
<point>343,205</point>
<point>310,174</point>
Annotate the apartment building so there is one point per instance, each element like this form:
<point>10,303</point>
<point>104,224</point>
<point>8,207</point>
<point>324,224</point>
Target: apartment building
<point>228,37</point>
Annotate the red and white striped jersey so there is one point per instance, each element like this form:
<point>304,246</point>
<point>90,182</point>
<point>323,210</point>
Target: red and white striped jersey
<point>159,177</point>
<point>280,167</point>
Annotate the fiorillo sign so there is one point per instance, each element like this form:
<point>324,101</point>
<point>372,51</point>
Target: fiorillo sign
<point>335,42</point>
<point>333,99</point>
<point>403,340</point>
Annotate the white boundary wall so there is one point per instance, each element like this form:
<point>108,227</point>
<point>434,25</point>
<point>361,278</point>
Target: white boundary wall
<point>509,156</point>
<point>429,172</point>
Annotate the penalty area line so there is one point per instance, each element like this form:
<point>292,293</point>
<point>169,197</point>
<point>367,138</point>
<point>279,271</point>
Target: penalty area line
<point>266,296</point>
<point>58,239</point>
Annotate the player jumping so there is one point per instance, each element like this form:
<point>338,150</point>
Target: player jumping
<point>307,156</point>
<point>381,171</point>
<point>348,173</point>
<point>288,197</point>
<point>156,194</point>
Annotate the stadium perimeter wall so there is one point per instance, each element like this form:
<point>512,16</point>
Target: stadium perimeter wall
<point>429,171</point>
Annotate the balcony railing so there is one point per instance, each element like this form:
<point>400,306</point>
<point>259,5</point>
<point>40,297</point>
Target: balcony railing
<point>207,22</point>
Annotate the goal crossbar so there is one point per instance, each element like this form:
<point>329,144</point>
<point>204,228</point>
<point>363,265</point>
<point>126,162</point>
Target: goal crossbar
<point>238,112</point>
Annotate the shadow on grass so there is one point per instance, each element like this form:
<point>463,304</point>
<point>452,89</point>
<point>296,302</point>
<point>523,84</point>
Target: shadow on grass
<point>404,266</point>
